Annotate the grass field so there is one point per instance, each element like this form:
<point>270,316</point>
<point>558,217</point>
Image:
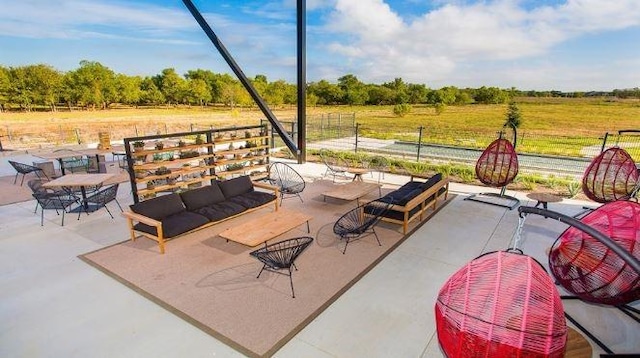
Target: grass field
<point>567,118</point>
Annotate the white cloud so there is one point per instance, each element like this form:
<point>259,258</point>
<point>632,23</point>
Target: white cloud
<point>439,43</point>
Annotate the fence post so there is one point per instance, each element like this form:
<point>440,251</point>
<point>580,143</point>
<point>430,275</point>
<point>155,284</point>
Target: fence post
<point>604,142</point>
<point>191,127</point>
<point>357,127</point>
<point>419,143</point>
<point>78,135</point>
<point>135,126</point>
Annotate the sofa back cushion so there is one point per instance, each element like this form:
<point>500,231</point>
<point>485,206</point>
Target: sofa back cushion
<point>432,181</point>
<point>236,186</point>
<point>203,196</point>
<point>159,207</point>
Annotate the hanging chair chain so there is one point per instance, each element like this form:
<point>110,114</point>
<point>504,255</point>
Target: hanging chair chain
<point>517,235</point>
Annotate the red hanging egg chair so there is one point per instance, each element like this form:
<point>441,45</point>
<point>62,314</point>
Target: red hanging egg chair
<point>497,167</point>
<point>610,176</point>
<point>501,304</point>
<point>498,164</point>
<point>590,270</point>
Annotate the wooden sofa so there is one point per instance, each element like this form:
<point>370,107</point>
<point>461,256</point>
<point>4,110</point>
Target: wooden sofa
<point>410,201</point>
<point>172,215</point>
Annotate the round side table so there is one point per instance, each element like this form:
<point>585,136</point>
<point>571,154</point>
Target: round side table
<point>543,199</point>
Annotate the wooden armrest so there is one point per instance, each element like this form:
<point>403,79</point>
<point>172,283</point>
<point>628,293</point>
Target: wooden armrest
<point>266,186</point>
<point>141,218</point>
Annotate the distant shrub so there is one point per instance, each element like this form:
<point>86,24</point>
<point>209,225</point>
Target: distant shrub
<point>401,109</point>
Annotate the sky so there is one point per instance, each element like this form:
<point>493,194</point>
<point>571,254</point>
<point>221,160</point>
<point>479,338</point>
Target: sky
<point>573,45</point>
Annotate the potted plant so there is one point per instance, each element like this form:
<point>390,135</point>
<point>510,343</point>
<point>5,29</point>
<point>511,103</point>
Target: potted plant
<point>199,139</point>
<point>231,146</point>
<point>247,134</point>
<point>151,185</point>
<point>138,145</point>
<point>159,145</point>
<point>182,143</point>
<point>140,173</point>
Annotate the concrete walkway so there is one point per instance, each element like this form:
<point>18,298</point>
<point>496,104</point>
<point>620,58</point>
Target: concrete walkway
<point>54,305</point>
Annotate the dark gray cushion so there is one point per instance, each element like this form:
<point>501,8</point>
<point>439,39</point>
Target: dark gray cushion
<point>219,211</point>
<point>400,196</point>
<point>159,207</point>
<point>201,197</point>
<point>174,225</point>
<point>252,199</point>
<point>433,180</point>
<point>236,186</point>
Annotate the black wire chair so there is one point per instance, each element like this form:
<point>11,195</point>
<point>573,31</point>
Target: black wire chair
<point>36,187</point>
<point>360,221</point>
<point>333,166</point>
<point>101,199</point>
<point>281,256</point>
<point>25,169</point>
<point>289,181</point>
<point>54,201</point>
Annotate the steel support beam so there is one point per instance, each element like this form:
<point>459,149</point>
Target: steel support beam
<point>243,78</point>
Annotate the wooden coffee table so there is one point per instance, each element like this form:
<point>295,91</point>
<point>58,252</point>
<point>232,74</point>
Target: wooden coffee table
<point>352,191</point>
<point>264,228</point>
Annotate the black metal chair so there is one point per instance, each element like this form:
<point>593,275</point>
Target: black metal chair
<point>102,198</point>
<point>25,169</point>
<point>359,221</point>
<point>281,256</point>
<point>36,187</point>
<point>289,181</point>
<point>334,168</point>
<point>56,201</point>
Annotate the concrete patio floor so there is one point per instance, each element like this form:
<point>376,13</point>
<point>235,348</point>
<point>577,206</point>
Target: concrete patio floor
<point>54,305</point>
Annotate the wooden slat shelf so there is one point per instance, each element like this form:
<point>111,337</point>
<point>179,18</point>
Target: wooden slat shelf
<point>211,148</point>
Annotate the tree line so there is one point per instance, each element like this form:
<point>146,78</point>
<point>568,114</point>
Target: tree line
<point>95,86</point>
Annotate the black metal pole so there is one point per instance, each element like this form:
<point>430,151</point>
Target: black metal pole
<point>419,143</point>
<point>241,76</point>
<point>302,79</point>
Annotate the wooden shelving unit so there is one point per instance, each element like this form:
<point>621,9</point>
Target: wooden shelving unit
<point>220,154</point>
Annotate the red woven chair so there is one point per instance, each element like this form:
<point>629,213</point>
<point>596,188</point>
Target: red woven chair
<point>501,304</point>
<point>590,270</point>
<point>497,167</point>
<point>610,176</point>
<point>597,258</point>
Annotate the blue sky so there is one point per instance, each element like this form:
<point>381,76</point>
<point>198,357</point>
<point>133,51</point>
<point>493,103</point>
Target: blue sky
<point>574,45</point>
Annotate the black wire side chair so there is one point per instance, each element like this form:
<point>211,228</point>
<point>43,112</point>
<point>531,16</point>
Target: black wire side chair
<point>54,201</point>
<point>25,169</point>
<point>36,187</point>
<point>287,179</point>
<point>280,257</point>
<point>359,221</point>
<point>101,199</point>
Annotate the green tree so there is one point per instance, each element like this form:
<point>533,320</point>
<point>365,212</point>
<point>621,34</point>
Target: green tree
<point>45,82</point>
<point>490,95</point>
<point>402,109</point>
<point>380,95</point>
<point>150,94</point>
<point>91,85</point>
<point>5,85</point>
<point>354,91</point>
<point>513,117</point>
<point>198,91</point>
<point>326,92</point>
<point>129,89</point>
<point>172,86</point>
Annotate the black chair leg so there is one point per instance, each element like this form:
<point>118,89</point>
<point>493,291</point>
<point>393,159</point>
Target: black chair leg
<point>293,294</point>
<point>15,178</point>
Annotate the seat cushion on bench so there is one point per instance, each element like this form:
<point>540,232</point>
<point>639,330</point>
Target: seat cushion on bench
<point>174,225</point>
<point>219,211</point>
<point>401,196</point>
<point>159,207</point>
<point>198,198</point>
<point>252,199</point>
<point>236,186</point>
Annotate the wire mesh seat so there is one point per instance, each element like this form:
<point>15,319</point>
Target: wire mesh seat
<point>359,221</point>
<point>102,198</point>
<point>333,166</point>
<point>289,181</point>
<point>25,169</point>
<point>501,304</point>
<point>610,176</point>
<point>281,256</point>
<point>53,201</point>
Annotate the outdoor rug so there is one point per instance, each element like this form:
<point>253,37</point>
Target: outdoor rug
<point>212,283</point>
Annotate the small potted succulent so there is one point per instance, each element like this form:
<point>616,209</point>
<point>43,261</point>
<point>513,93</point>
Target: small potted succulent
<point>182,143</point>
<point>138,146</point>
<point>159,146</point>
<point>199,139</point>
<point>247,134</point>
